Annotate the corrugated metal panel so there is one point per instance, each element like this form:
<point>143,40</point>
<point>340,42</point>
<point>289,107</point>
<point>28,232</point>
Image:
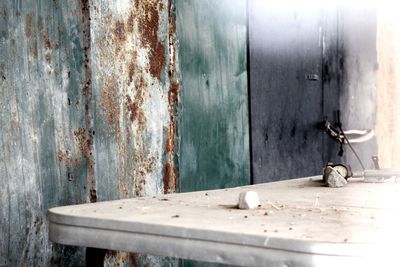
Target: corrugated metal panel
<point>130,89</point>
<point>134,126</point>
<point>87,114</point>
<point>43,140</point>
<point>285,42</point>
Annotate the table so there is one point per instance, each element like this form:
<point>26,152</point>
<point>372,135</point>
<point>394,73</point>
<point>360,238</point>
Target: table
<point>300,222</point>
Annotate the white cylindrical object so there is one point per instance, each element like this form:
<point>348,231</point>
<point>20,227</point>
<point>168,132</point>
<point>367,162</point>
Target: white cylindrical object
<point>248,200</point>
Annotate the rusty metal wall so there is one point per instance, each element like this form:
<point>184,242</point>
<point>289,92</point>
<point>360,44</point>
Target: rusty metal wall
<point>88,96</point>
<point>135,92</point>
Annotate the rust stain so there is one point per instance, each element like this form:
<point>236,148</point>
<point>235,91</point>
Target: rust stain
<point>62,155</point>
<point>119,31</point>
<point>85,142</point>
<point>130,23</point>
<point>125,104</point>
<point>172,102</point>
<point>135,106</point>
<point>46,40</point>
<point>70,160</point>
<point>110,103</point>
<point>85,137</point>
<point>170,172</point>
<point>29,25</point>
<point>47,44</point>
<point>148,18</point>
<point>47,58</point>
<point>132,68</point>
<point>119,36</point>
<point>34,49</point>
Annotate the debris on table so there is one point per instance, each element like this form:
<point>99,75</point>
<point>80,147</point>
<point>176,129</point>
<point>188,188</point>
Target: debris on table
<point>333,178</point>
<point>248,200</point>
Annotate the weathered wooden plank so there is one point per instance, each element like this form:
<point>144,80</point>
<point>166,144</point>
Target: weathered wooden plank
<point>214,148</point>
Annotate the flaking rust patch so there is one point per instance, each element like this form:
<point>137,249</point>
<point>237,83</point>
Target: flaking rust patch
<point>148,18</point>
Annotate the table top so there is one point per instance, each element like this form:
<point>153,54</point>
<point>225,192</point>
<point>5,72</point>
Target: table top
<point>300,222</point>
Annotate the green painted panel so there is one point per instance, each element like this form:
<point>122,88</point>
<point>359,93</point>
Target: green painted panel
<point>214,130</point>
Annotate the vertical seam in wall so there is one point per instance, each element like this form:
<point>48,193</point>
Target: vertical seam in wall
<point>170,173</point>
<point>87,145</point>
<point>323,35</point>
<point>249,90</point>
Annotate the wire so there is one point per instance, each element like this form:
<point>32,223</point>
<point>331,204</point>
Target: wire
<point>351,147</point>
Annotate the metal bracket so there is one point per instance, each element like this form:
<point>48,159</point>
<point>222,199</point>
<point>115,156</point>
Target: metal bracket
<point>312,77</point>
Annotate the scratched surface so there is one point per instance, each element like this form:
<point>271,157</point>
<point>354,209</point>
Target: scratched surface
<point>214,147</point>
<point>88,95</point>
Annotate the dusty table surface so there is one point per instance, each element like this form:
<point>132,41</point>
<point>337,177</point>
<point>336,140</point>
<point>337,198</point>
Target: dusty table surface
<point>300,222</point>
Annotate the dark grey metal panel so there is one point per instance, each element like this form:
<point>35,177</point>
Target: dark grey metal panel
<point>285,45</point>
<point>332,75</point>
